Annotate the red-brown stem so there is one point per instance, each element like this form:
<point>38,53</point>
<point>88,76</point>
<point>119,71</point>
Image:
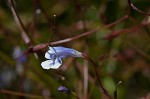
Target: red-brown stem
<point>44,45</point>
<point>101,86</point>
<point>116,33</point>
<point>21,94</point>
<point>19,23</point>
<point>87,57</point>
<point>21,27</point>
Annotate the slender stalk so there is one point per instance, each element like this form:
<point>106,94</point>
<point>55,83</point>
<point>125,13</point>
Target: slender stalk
<point>21,94</point>
<point>115,92</point>
<point>21,27</point>
<point>85,70</point>
<point>96,72</point>
<point>19,23</point>
<point>87,57</point>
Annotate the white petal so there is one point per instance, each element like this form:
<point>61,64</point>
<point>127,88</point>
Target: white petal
<point>57,64</point>
<point>51,64</point>
<point>51,50</point>
<point>47,64</point>
<point>47,55</point>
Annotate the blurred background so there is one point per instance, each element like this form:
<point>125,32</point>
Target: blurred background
<point>121,51</point>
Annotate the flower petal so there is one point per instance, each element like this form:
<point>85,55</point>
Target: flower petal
<point>51,64</point>
<point>62,52</point>
<point>51,50</point>
<point>47,64</point>
<point>50,55</point>
<point>57,64</point>
<point>47,55</point>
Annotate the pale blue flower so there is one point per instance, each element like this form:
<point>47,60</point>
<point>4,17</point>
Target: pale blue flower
<point>55,55</point>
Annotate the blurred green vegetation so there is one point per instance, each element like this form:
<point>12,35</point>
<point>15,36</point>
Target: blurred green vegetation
<point>125,58</point>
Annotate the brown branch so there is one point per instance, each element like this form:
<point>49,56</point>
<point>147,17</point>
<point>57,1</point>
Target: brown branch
<point>44,45</point>
<point>116,33</point>
<point>19,23</point>
<point>109,37</point>
<point>136,9</point>
<point>104,91</point>
<point>21,94</point>
<point>118,21</point>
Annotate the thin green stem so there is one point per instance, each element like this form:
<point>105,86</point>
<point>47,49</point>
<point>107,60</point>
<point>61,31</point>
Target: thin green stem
<point>115,92</point>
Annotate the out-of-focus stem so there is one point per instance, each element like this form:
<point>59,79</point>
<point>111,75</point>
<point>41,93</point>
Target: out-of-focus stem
<point>21,94</point>
<point>19,23</point>
<point>21,27</point>
<point>87,57</point>
<point>85,79</point>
